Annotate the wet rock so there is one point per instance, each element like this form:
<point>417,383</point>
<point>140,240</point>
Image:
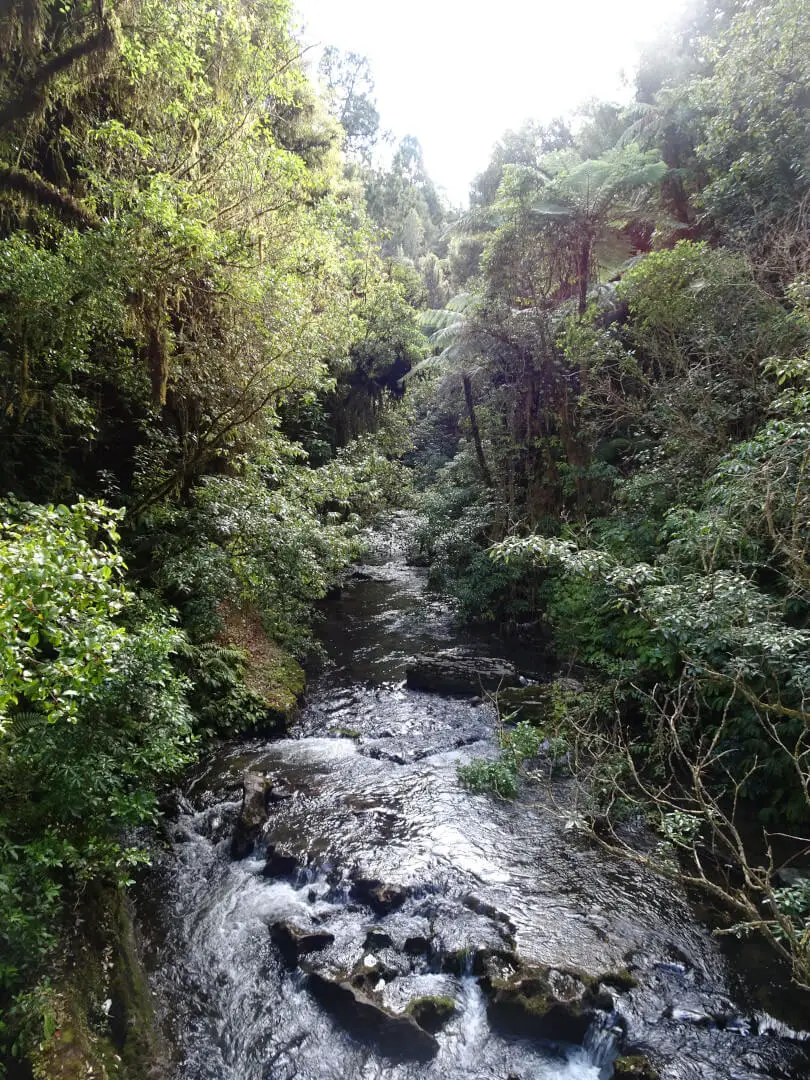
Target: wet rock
<point>496,965</point>
<point>462,939</point>
<point>379,896</point>
<point>397,1035</point>
<point>791,875</point>
<point>691,1016</point>
<point>452,672</point>
<point>480,907</point>
<point>432,1013</point>
<point>373,967</point>
<point>280,862</point>
<point>293,942</point>
<point>633,1067</point>
<point>252,815</point>
<point>539,1002</point>
<point>377,938</point>
<point>417,945</point>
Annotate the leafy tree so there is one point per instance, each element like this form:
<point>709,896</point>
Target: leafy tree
<point>757,115</point>
<point>349,90</point>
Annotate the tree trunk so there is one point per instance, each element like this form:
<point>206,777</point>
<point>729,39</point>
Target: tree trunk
<point>476,433</point>
<point>31,97</point>
<point>584,272</point>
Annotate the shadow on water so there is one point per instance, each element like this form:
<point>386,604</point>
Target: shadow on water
<point>371,795</point>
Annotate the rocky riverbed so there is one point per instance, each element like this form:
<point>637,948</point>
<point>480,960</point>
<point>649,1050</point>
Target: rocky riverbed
<point>335,904</point>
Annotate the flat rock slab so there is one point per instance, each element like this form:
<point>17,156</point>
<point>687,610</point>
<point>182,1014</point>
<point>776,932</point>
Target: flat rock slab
<point>451,672</point>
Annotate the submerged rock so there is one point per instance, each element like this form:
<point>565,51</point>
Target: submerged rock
<point>398,1035</point>
<point>294,942</point>
<point>452,672</point>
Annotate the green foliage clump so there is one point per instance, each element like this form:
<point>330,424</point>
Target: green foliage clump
<point>517,745</point>
<point>92,715</point>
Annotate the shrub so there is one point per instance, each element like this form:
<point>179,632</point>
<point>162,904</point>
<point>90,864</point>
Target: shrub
<point>92,714</point>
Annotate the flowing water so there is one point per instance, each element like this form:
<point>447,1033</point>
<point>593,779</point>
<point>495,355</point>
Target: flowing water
<point>368,788</point>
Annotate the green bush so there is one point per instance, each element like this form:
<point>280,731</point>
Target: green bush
<point>92,715</point>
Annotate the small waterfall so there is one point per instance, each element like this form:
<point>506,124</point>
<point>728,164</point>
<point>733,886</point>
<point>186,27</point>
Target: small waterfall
<point>602,1041</point>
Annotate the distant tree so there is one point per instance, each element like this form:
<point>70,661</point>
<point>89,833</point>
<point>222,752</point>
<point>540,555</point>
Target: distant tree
<point>349,88</point>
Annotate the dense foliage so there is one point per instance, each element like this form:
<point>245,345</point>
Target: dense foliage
<point>212,299</point>
<point>617,446</point>
<point>203,333</point>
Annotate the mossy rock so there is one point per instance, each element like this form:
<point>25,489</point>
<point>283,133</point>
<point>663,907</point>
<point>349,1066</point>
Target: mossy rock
<point>634,1067</point>
<point>98,1018</point>
<point>432,1012</point>
<point>536,704</point>
<point>539,1002</point>
<point>357,1008</point>
<point>344,733</point>
<point>622,979</point>
<point>71,1049</point>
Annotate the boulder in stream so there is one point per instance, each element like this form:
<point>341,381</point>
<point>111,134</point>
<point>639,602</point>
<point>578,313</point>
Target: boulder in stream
<point>397,1035</point>
<point>294,942</point>
<point>252,815</point>
<point>377,938</point>
<point>379,896</point>
<point>432,1012</point>
<point>280,862</point>
<point>451,671</point>
<point>539,1002</point>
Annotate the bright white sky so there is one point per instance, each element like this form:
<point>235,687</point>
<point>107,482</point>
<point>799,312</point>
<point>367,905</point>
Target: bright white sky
<point>458,74</point>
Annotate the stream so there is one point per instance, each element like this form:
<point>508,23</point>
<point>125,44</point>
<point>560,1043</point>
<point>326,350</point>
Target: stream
<point>364,792</point>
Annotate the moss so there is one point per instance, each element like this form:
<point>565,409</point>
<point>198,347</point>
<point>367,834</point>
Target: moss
<point>271,672</point>
<point>634,1067</point>
<point>97,1019</point>
<point>432,1012</point>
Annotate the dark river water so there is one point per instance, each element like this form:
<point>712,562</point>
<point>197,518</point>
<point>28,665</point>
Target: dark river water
<point>370,778</point>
